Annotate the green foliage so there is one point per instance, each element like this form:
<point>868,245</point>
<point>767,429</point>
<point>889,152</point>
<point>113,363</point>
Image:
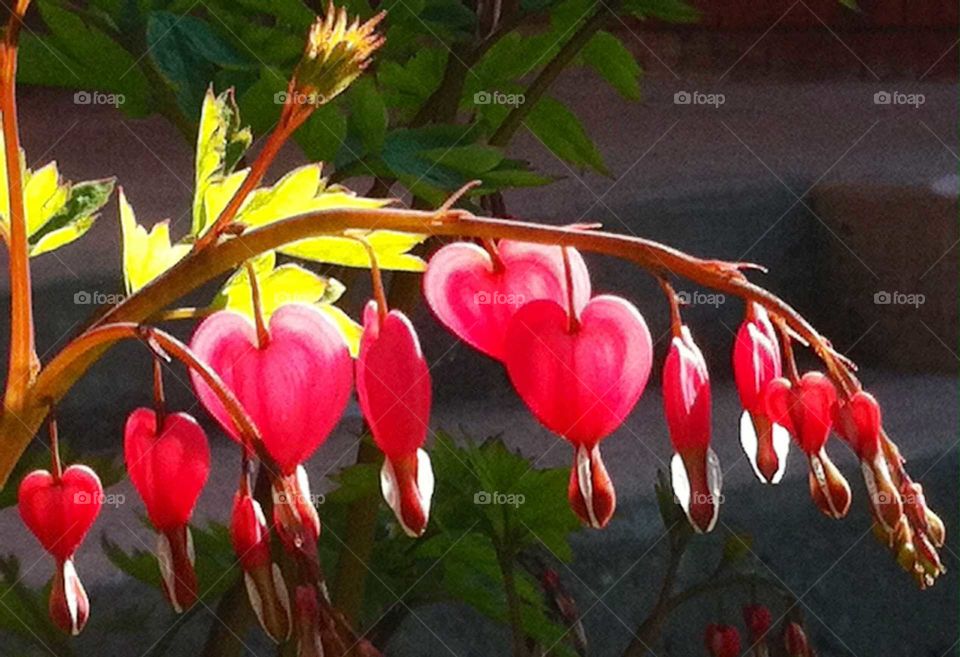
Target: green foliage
<point>399,124</point>
<point>490,504</point>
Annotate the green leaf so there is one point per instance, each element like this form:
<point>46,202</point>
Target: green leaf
<point>145,255</point>
<point>287,283</point>
<point>407,86</point>
<point>220,144</point>
<point>74,217</point>
<point>79,55</point>
<point>561,131</point>
<point>301,191</point>
<point>392,249</point>
<point>323,134</point>
<point>611,59</point>
<point>368,114</point>
<point>189,53</point>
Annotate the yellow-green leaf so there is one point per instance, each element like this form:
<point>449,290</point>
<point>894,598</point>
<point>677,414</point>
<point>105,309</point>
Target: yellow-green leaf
<point>145,255</point>
<point>44,195</point>
<point>300,191</point>
<point>391,247</point>
<point>350,329</point>
<point>73,218</point>
<point>287,283</point>
<point>220,144</point>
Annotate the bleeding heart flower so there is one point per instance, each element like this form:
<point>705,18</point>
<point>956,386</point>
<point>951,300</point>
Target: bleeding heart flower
<point>758,621</point>
<point>858,422</point>
<point>475,296</point>
<point>756,362</point>
<point>179,454</point>
<point>722,640</point>
<point>581,377</point>
<point>807,410</point>
<point>60,512</point>
<point>295,387</point>
<point>266,588</point>
<point>393,387</point>
<point>697,477</point>
<point>795,640</point>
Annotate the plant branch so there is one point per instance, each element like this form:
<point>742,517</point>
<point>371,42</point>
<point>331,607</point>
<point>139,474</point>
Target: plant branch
<point>199,267</point>
<point>550,72</point>
<point>23,357</point>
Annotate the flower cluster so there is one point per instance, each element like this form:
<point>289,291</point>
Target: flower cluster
<point>723,640</point>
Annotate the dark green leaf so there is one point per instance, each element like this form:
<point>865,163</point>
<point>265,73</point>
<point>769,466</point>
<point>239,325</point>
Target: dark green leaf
<point>561,131</point>
<point>611,59</point>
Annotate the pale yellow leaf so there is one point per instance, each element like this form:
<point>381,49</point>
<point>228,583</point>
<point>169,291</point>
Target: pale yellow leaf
<point>146,255</point>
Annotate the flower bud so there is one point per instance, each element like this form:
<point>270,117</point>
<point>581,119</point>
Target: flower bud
<point>307,619</point>
<point>336,54</point>
<point>176,558</point>
<point>795,640</point>
<point>265,586</point>
<point>722,640</point>
<point>758,621</point>
<point>695,468</point>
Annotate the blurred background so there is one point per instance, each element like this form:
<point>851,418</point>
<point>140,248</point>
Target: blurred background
<point>817,139</point>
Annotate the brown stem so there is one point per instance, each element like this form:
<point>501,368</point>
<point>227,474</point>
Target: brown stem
<point>292,116</point>
<point>263,335</point>
<point>199,267</point>
<point>55,462</point>
<point>573,322</point>
<point>159,400</point>
<point>22,352</point>
<point>676,322</point>
<point>376,279</point>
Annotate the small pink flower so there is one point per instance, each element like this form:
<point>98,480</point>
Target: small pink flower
<point>756,362</point>
<point>697,478</point>
<point>393,387</point>
<point>169,471</point>
<point>807,410</point>
<point>59,511</point>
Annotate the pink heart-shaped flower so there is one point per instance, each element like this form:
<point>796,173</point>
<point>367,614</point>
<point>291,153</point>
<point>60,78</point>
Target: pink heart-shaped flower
<point>580,383</point>
<point>60,513</point>
<point>806,409</point>
<point>169,470</point>
<point>475,299</point>
<point>393,382</point>
<point>295,388</point>
<point>859,423</point>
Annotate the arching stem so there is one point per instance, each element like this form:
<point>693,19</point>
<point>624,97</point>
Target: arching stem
<point>491,248</point>
<point>159,400</point>
<point>676,322</point>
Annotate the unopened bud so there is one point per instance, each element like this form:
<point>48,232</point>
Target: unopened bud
<point>591,493</point>
<point>176,557</point>
<point>828,488</point>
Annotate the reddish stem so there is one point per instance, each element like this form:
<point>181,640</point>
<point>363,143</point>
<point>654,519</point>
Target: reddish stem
<point>263,334</point>
<point>159,400</point>
<point>55,463</point>
<point>376,279</point>
<point>676,321</point>
<point>573,322</point>
<point>494,253</point>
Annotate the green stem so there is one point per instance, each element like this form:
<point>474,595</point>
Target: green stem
<point>514,605</point>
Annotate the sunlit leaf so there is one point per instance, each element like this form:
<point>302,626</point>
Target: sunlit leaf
<point>287,283</point>
<point>390,246</point>
<point>220,143</point>
<point>146,255</point>
<point>561,131</point>
<point>350,329</point>
<point>74,218</point>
